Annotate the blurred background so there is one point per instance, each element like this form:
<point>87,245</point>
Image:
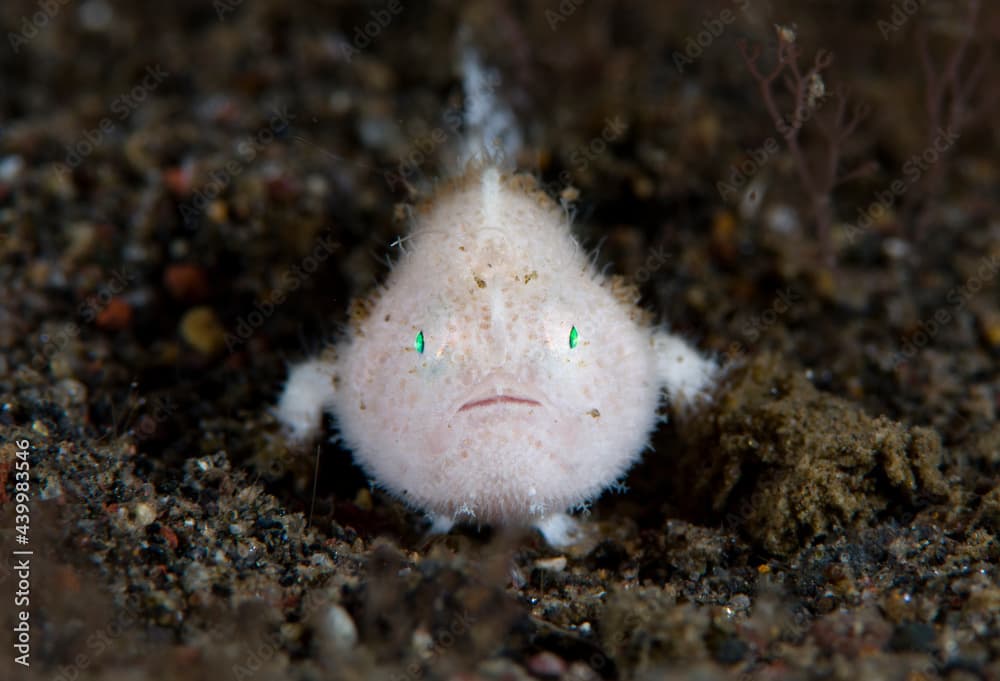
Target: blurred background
<point>193,193</point>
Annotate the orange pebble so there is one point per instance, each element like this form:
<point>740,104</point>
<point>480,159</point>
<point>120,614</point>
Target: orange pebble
<point>170,536</point>
<point>186,282</point>
<point>116,315</point>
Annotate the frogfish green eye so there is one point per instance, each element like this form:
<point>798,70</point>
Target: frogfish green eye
<point>418,342</point>
<point>574,337</point>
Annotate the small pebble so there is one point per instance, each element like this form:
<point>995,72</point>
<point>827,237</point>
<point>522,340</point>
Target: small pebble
<point>95,15</point>
<point>82,240</point>
<point>363,499</point>
<point>557,564</point>
<point>422,642</point>
<point>896,248</point>
<point>218,212</point>
<point>115,316</point>
<point>724,232</point>
<point>740,602</point>
<point>989,325</point>
<point>337,628</point>
<point>196,577</point>
<point>178,179</point>
<point>144,513</point>
<point>782,220</point>
<point>203,331</point>
<point>69,393</point>
<point>170,536</point>
<point>547,665</point>
<point>186,282</point>
<point>10,167</point>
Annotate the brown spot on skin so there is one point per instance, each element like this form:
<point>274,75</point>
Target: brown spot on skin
<point>362,406</point>
<point>360,309</point>
<point>628,295</point>
<point>596,414</point>
<point>533,274</point>
<point>480,282</point>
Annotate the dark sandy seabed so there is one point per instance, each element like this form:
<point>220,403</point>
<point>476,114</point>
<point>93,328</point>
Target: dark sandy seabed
<point>834,513</point>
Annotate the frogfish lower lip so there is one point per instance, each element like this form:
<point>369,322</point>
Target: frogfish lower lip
<point>499,399</point>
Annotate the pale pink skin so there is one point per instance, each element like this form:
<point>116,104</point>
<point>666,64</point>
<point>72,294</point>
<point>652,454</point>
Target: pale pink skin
<point>499,420</point>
